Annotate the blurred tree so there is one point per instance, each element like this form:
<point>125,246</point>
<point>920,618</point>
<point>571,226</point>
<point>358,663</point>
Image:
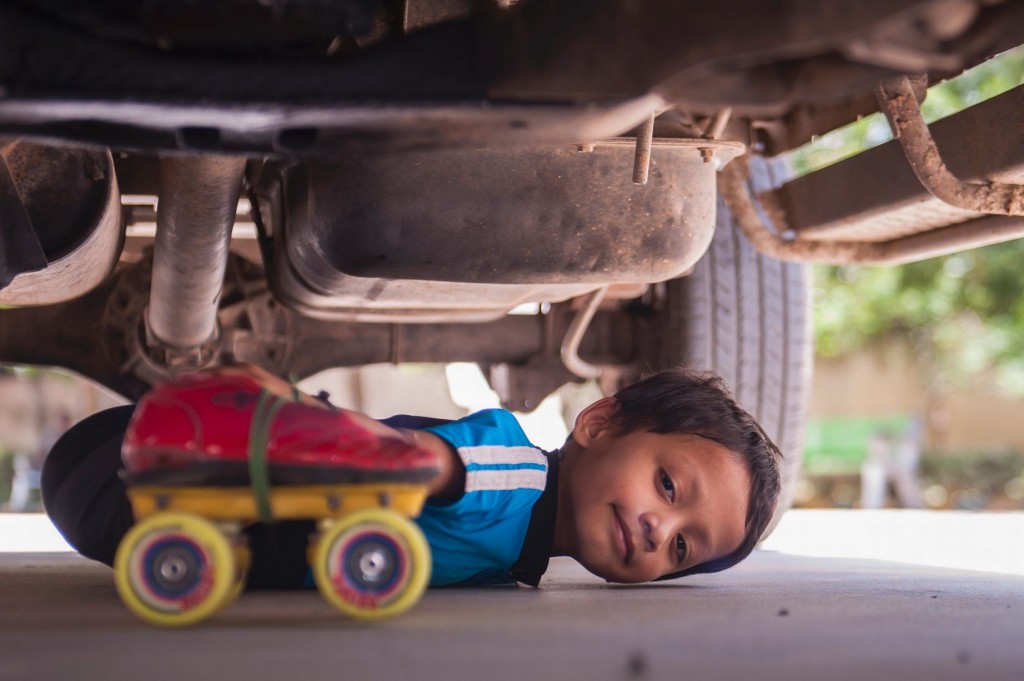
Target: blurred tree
<point>962,316</point>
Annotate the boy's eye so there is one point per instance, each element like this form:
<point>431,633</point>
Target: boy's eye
<point>668,485</point>
<point>680,549</point>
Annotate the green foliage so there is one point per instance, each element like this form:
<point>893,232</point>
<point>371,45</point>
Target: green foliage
<point>832,147</point>
<point>962,315</point>
<point>994,77</point>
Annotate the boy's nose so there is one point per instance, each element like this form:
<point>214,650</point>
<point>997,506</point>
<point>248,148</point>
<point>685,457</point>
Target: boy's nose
<point>654,531</point>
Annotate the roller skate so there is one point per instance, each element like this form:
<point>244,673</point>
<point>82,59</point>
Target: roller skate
<point>210,452</point>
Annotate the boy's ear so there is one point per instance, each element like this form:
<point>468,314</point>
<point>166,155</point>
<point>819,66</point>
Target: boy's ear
<point>594,421</point>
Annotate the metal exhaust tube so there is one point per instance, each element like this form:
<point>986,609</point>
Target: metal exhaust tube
<point>196,211</point>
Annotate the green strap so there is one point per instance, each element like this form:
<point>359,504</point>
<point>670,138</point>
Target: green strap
<point>259,433</point>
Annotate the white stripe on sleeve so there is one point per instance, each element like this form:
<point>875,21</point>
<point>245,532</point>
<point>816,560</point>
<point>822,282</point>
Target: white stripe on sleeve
<point>519,478</point>
<point>490,455</point>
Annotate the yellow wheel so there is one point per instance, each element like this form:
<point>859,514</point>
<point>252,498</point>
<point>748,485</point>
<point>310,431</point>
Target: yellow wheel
<point>372,564</point>
<point>175,569</point>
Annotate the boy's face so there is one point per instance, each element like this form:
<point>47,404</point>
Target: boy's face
<point>632,508</point>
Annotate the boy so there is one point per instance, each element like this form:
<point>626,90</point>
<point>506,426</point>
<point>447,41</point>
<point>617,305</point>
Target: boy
<point>667,478</point>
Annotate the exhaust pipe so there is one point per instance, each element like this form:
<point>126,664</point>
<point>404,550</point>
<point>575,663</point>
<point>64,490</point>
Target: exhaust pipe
<point>196,211</point>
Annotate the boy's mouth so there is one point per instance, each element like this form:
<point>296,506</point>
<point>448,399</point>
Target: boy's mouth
<point>625,540</point>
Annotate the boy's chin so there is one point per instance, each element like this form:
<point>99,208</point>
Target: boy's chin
<point>610,575</point>
<point>619,579</point>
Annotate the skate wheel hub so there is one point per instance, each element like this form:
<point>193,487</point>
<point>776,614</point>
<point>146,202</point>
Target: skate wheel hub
<point>374,564</point>
<point>173,568</point>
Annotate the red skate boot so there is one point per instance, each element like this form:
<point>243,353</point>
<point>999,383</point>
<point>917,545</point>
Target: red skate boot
<point>207,428</point>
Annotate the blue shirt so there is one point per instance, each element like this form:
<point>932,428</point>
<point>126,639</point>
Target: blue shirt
<point>502,528</point>
<point>479,538</point>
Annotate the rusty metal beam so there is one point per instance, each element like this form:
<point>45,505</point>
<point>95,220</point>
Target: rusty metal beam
<point>899,103</point>
<point>750,215</point>
<point>873,208</point>
<point>875,196</point>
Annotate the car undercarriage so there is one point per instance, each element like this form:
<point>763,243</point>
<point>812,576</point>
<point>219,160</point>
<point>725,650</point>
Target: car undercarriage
<point>304,184</point>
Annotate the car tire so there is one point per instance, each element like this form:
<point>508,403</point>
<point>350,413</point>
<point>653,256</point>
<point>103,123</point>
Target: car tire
<point>747,317</point>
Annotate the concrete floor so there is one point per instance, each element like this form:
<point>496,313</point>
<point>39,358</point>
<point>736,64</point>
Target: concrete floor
<point>777,616</point>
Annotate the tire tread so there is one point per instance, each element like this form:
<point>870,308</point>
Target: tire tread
<point>747,317</point>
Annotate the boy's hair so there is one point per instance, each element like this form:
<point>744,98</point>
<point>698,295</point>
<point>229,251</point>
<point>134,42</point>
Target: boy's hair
<point>679,401</point>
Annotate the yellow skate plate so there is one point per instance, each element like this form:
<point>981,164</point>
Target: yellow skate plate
<point>314,502</point>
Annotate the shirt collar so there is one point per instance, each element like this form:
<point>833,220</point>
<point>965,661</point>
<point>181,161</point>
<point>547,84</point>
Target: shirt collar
<point>540,534</point>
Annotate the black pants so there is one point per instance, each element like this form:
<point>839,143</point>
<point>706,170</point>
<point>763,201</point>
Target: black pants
<point>85,498</point>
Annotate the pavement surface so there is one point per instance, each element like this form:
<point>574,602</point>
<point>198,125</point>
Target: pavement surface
<point>777,616</point>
